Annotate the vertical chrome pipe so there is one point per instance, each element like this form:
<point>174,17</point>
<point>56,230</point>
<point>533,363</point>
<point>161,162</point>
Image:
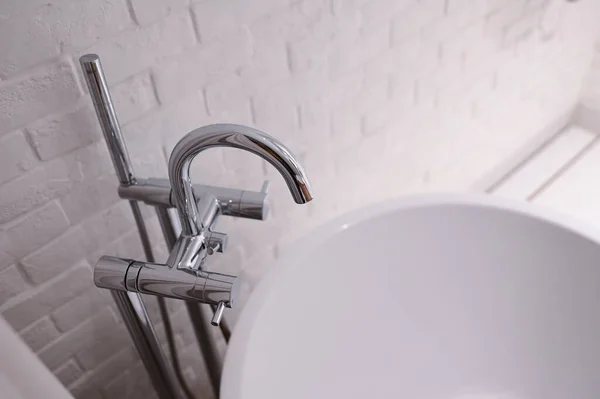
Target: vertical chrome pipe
<point>199,319</point>
<point>130,304</point>
<point>140,328</point>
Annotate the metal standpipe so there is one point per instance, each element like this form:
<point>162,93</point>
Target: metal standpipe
<point>130,304</point>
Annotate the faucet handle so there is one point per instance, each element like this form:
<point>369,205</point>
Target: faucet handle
<point>216,242</point>
<point>218,315</point>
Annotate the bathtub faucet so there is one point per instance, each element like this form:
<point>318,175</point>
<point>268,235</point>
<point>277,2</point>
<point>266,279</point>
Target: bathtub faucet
<point>183,276</point>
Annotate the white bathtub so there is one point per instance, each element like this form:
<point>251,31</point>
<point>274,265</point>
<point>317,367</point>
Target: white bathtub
<point>431,297</point>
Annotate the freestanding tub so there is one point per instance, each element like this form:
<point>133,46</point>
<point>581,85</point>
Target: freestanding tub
<point>432,297</point>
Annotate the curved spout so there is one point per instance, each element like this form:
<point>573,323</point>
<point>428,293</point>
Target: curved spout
<point>234,136</point>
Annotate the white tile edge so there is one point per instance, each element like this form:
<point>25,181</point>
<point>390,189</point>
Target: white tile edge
<point>502,171</point>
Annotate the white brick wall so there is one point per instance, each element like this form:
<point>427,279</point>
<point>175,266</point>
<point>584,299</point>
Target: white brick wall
<point>591,95</point>
<point>377,97</point>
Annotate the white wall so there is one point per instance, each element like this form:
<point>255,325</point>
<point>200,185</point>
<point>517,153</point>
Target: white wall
<point>589,110</point>
<point>377,97</point>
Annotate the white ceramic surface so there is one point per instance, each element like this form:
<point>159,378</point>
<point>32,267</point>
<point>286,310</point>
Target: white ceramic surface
<point>22,374</point>
<point>433,297</point>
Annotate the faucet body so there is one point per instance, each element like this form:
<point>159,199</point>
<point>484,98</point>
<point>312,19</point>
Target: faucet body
<point>183,276</point>
<point>197,216</point>
<point>233,136</point>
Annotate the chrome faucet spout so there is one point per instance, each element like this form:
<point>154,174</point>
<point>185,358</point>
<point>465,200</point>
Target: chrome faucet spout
<point>233,136</point>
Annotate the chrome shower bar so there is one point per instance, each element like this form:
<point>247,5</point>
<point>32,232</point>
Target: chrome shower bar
<point>96,82</point>
<point>168,382</point>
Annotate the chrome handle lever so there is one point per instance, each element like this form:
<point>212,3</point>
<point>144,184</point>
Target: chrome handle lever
<point>218,315</point>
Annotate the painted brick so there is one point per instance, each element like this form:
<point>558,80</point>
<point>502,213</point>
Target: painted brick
<point>216,18</point>
<point>105,373</point>
<point>150,11</point>
<point>366,47</point>
<point>188,73</point>
<point>36,229</point>
<point>11,284</point>
<point>346,123</point>
<point>276,111</point>
<point>226,94</point>
<point>16,10</point>
<point>68,373</point>
<point>134,384</point>
<point>377,84</point>
<point>115,221</point>
<point>88,394</point>
<point>87,335</point>
<point>5,258</point>
<point>267,66</point>
<point>415,19</point>
<point>314,118</point>
<point>133,51</point>
<point>127,246</point>
<point>52,259</point>
<point>65,132</point>
<point>48,297</point>
<point>376,13</point>
<point>134,97</point>
<point>294,22</point>
<point>169,123</point>
<point>16,156</point>
<point>89,197</point>
<point>40,334</point>
<point>89,162</point>
<point>79,309</point>
<point>503,17</point>
<point>94,353</point>
<point>58,27</point>
<point>35,188</point>
<point>44,90</point>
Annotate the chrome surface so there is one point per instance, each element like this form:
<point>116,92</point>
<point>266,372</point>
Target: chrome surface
<point>140,328</point>
<point>96,82</point>
<point>198,317</point>
<point>151,191</point>
<point>130,305</point>
<point>238,203</point>
<point>131,275</point>
<point>218,315</point>
<point>233,136</point>
<point>218,288</point>
<point>188,253</point>
<point>217,242</point>
<point>197,216</point>
<point>165,281</point>
<point>110,273</point>
<point>199,207</point>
